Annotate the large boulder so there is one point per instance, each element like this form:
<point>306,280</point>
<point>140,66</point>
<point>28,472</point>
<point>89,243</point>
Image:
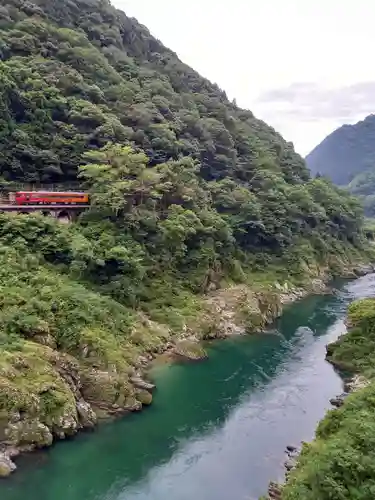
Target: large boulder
<point>87,416</point>
<point>109,392</point>
<point>6,465</point>
<point>189,350</point>
<point>144,397</point>
<point>339,400</point>
<point>139,383</point>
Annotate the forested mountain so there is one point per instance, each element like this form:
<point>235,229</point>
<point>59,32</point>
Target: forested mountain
<point>347,152</point>
<point>347,157</point>
<point>76,74</point>
<point>189,193</point>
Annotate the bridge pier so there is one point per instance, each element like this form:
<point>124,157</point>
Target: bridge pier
<point>64,214</point>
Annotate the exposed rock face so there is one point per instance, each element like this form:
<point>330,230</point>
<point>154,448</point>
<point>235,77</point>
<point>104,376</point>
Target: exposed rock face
<point>87,416</point>
<point>356,383</point>
<point>292,453</point>
<point>109,392</point>
<point>28,434</point>
<point>47,395</point>
<point>291,448</point>
<point>238,310</point>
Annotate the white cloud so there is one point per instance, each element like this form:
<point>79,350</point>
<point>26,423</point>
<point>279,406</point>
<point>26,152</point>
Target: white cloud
<point>252,47</point>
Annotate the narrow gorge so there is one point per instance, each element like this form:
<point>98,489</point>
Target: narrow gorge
<point>200,222</point>
<point>216,430</point>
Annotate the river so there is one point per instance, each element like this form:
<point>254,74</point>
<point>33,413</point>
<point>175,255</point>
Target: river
<point>216,430</point>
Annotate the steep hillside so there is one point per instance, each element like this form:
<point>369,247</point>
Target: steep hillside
<point>189,194</point>
<point>347,152</point>
<point>76,74</point>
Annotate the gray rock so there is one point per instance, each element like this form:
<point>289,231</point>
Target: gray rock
<point>274,491</point>
<point>290,464</point>
<point>139,383</point>
<point>143,360</point>
<point>338,400</point>
<point>14,417</point>
<point>364,269</point>
<point>6,465</point>
<point>291,449</point>
<point>87,416</point>
<point>12,452</point>
<point>65,425</point>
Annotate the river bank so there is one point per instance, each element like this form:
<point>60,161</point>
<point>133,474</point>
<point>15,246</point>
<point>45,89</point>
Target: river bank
<point>94,393</point>
<point>338,463</point>
<point>216,429</point>
<point>276,491</point>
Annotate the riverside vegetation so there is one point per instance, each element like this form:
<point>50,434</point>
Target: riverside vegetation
<point>339,464</point>
<point>203,219</point>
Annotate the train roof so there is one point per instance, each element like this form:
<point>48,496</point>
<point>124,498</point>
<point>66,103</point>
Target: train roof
<point>52,192</point>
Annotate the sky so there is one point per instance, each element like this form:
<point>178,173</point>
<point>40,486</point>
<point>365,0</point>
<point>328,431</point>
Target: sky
<point>303,66</point>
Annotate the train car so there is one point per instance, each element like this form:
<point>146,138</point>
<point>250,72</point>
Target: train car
<point>49,198</point>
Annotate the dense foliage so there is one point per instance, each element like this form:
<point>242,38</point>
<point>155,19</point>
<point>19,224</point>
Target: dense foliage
<point>77,74</point>
<point>347,152</point>
<point>339,464</point>
<point>186,188</point>
<point>183,182</point>
<point>363,186</point>
<point>40,305</point>
<point>355,351</point>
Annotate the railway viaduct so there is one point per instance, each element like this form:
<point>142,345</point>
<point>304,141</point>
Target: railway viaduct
<point>64,213</point>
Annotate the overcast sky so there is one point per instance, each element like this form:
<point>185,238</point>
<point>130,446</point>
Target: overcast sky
<point>304,66</point>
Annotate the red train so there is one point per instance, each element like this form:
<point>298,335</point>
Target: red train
<point>48,198</point>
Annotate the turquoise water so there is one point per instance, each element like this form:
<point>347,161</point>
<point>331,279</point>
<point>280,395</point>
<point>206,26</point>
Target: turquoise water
<point>217,430</point>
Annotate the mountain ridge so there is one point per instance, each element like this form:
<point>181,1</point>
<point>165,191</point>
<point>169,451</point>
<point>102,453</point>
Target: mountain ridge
<point>346,152</point>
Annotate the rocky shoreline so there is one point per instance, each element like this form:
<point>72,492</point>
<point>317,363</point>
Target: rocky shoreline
<point>350,385</point>
<point>292,452</point>
<point>97,394</point>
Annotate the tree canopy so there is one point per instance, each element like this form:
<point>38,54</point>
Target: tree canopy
<point>179,175</point>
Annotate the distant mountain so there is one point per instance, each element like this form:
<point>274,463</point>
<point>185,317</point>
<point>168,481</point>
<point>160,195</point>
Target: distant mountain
<point>346,153</point>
